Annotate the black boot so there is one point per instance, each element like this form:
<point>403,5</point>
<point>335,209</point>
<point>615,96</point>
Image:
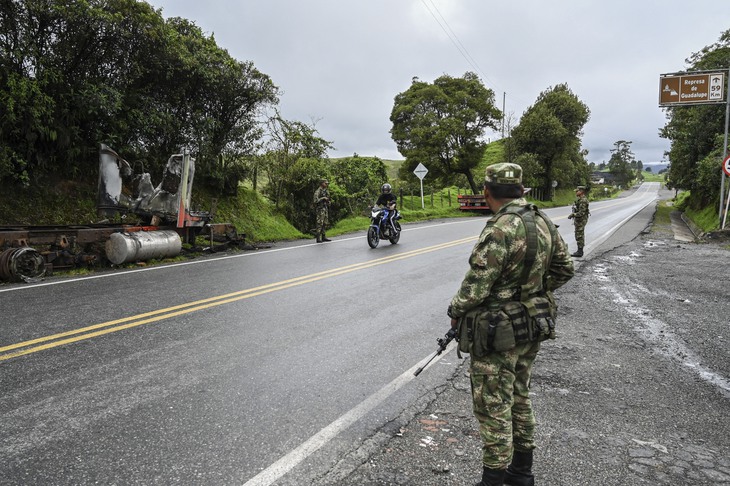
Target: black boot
<point>324,237</point>
<point>319,240</point>
<point>492,477</point>
<point>519,473</point>
<point>578,253</point>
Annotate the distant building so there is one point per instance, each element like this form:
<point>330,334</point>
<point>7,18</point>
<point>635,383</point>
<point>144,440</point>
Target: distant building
<point>597,178</point>
<point>602,178</point>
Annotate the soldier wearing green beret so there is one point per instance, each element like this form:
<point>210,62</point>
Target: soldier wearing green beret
<point>580,218</point>
<point>500,379</point>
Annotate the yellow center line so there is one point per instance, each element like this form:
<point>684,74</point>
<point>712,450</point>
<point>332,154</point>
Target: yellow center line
<point>103,328</point>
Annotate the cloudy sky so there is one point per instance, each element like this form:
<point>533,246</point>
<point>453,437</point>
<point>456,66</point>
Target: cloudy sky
<point>340,63</point>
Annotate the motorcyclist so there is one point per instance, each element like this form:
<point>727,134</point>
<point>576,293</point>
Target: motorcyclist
<point>387,199</point>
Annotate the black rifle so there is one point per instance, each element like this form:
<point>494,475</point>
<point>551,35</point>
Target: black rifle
<point>442,342</point>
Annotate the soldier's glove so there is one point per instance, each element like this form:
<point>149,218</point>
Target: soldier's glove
<point>571,216</point>
<point>452,334</point>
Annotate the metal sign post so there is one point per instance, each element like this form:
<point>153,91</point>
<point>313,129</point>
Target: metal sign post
<point>726,170</point>
<point>421,172</point>
<point>724,157</point>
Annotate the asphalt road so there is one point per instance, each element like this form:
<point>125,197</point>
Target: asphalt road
<point>255,368</point>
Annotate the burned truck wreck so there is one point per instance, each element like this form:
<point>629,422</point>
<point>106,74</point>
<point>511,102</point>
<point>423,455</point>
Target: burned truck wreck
<point>121,191</point>
<point>28,253</point>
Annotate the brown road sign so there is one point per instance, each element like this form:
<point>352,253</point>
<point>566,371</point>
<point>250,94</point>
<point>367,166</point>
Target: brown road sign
<point>691,88</point>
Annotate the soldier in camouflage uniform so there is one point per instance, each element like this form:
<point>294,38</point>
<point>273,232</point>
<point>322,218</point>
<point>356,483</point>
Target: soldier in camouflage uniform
<point>580,218</point>
<point>500,380</point>
<point>321,204</point>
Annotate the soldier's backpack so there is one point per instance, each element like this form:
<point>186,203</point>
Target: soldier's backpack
<point>531,318</point>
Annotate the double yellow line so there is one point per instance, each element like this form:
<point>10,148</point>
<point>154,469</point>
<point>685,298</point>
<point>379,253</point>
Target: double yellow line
<point>48,342</point>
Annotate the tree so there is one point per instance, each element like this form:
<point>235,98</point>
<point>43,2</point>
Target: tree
<point>287,142</point>
<point>295,202</point>
<point>77,74</point>
<point>551,129</point>
<point>222,117</point>
<point>360,179</point>
<point>696,132</point>
<point>621,162</point>
<point>442,125</point>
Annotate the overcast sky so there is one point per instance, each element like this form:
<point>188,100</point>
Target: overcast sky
<point>340,63</point>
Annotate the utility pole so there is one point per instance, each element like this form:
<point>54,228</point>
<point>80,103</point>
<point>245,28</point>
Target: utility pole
<point>724,155</point>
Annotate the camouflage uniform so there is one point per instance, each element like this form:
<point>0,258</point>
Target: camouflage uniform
<point>501,380</point>
<point>580,219</point>
<point>321,204</point>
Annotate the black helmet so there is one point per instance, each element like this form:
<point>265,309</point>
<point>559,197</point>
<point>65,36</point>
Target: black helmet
<point>386,188</point>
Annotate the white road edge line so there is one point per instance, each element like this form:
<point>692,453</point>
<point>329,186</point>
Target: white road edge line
<point>275,471</point>
<point>599,241</point>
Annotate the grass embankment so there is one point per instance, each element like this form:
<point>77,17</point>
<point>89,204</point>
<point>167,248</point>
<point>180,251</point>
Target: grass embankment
<point>662,222</point>
<point>706,219</point>
<point>255,217</point>
<point>62,204</point>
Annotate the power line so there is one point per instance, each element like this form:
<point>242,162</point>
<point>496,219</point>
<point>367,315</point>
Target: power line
<point>455,40</point>
<point>462,50</point>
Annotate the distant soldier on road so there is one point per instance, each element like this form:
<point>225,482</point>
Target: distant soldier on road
<point>580,218</point>
<point>321,205</point>
<point>519,260</point>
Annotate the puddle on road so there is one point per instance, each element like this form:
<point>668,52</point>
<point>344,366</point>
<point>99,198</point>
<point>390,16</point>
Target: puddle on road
<point>654,244</point>
<point>629,259</point>
<point>600,271</point>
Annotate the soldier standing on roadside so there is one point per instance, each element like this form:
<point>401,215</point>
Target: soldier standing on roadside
<point>498,273</point>
<point>321,205</point>
<point>580,218</point>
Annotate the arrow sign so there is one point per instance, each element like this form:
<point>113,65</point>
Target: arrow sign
<point>420,171</point>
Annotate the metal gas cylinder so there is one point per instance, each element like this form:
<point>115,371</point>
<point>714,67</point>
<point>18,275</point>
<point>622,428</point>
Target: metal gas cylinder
<point>142,245</point>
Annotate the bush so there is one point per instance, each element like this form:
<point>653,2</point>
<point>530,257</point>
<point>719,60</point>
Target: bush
<point>707,183</point>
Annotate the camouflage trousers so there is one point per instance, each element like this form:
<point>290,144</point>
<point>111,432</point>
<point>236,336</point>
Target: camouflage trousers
<point>500,384</point>
<point>580,232</point>
<point>322,221</point>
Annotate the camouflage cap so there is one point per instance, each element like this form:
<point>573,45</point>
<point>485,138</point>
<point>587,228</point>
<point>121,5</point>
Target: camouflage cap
<point>324,181</point>
<point>503,173</point>
<point>581,188</point>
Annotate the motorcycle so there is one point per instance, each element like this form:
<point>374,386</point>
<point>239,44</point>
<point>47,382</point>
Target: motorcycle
<point>383,226</point>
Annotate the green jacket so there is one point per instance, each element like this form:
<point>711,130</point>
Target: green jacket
<point>580,209</point>
<point>321,195</point>
<point>496,262</point>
